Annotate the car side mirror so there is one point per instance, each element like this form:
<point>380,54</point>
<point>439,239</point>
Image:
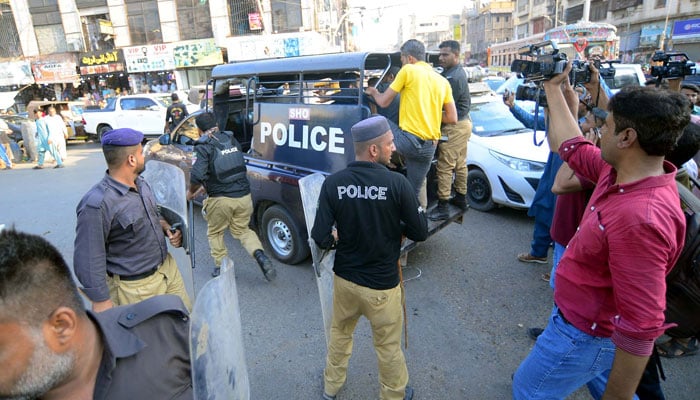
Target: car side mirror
<point>164,139</point>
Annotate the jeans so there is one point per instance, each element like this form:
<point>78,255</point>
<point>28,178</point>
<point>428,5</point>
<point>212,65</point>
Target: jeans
<point>540,239</point>
<point>556,257</point>
<point>564,359</point>
<point>417,154</point>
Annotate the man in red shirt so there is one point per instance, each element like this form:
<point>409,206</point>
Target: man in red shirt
<point>610,283</point>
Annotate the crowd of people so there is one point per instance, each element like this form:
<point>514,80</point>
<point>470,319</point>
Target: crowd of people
<point>607,202</point>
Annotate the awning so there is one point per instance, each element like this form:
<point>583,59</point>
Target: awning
<point>7,99</point>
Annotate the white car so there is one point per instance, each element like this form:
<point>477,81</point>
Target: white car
<point>505,165</point>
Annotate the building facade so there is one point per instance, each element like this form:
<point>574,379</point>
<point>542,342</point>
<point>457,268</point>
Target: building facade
<point>139,45</point>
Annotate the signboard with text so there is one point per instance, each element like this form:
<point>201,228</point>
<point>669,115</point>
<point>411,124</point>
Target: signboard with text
<point>197,53</point>
<point>157,57</point>
<point>15,73</point>
<point>55,68</point>
<point>101,62</point>
<point>686,29</point>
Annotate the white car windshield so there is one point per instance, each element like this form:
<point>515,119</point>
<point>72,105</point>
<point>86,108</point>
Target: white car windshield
<point>494,119</point>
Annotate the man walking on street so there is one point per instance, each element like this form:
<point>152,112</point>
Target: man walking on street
<point>452,154</point>
<point>175,113</point>
<point>220,168</point>
<point>366,270</point>
<point>426,102</point>
<point>120,252</point>
<point>610,283</point>
<point>44,142</point>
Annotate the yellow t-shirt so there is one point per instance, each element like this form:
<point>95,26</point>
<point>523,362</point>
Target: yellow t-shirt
<point>423,93</point>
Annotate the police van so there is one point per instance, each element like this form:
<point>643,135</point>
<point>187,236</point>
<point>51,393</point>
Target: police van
<point>292,117</point>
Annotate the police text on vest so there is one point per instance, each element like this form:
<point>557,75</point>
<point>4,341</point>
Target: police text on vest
<point>362,192</point>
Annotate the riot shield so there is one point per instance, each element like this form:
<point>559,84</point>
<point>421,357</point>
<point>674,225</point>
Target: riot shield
<point>310,188</point>
<point>168,184</point>
<point>219,368</point>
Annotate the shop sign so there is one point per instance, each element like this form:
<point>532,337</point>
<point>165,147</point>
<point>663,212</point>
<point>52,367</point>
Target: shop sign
<point>15,73</point>
<point>101,62</point>
<point>651,34</point>
<point>686,29</point>
<point>276,45</point>
<point>197,53</point>
<point>156,57</point>
<point>56,68</point>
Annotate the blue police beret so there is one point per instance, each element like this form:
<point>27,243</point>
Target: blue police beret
<point>122,137</point>
<point>369,128</point>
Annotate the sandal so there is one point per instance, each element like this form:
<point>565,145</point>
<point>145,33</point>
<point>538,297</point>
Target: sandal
<point>674,348</point>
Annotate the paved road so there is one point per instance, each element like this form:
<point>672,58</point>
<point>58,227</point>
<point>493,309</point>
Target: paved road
<point>468,310</point>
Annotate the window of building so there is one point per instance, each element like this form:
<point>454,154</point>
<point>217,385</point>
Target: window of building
<point>599,11</point>
<point>286,15</point>
<point>144,22</point>
<point>246,18</point>
<point>507,18</point>
<point>48,27</point>
<point>660,4</point>
<point>97,32</point>
<point>9,39</point>
<point>573,14</point>
<point>194,19</point>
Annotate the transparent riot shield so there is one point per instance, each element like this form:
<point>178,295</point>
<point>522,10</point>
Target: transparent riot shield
<point>310,188</point>
<point>219,368</point>
<point>168,184</point>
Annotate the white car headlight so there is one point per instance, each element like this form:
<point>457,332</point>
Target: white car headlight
<point>518,164</point>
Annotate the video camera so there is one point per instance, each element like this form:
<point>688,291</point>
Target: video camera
<point>581,73</point>
<point>675,65</point>
<point>531,92</point>
<point>548,62</point>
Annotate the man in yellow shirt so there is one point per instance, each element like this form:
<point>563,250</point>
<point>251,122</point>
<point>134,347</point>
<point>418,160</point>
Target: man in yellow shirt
<point>426,102</point>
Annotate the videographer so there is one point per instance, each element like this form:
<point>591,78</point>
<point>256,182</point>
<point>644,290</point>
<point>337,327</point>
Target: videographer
<point>610,283</point>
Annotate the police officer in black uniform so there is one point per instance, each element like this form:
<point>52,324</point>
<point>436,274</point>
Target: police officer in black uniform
<point>373,208</point>
<point>59,350</point>
<point>229,205</point>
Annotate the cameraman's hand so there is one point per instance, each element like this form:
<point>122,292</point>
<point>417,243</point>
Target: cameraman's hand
<point>557,80</point>
<point>509,98</point>
<point>594,83</point>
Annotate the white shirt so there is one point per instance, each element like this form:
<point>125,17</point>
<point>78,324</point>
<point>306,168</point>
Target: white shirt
<point>56,126</point>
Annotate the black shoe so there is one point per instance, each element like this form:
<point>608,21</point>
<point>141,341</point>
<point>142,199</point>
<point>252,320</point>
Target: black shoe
<point>442,211</point>
<point>534,333</point>
<point>59,166</point>
<point>265,265</point>
<point>327,397</point>
<point>38,167</point>
<point>216,272</point>
<point>460,200</point>
<point>409,393</point>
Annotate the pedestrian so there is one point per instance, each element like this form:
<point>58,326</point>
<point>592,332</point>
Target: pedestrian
<point>368,197</point>
<point>44,142</point>
<point>610,283</point>
<point>120,252</point>
<point>58,132</point>
<point>28,129</point>
<point>53,348</point>
<point>220,169</point>
<point>424,96</point>
<point>452,154</point>
<point>5,149</point>
<point>175,113</point>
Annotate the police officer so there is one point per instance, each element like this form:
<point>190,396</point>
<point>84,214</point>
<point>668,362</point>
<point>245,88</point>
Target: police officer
<point>368,197</point>
<point>120,252</point>
<point>60,350</point>
<point>175,113</point>
<point>229,204</point>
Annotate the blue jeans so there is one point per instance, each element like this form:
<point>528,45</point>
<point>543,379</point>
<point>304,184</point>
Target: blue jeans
<point>556,257</point>
<point>539,247</point>
<point>564,359</point>
<point>417,154</point>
